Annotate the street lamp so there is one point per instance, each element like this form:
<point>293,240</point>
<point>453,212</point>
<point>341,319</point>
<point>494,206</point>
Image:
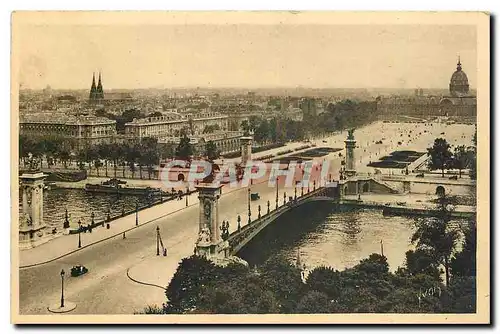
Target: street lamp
<point>277,193</point>
<point>79,235</point>
<point>62,288</point>
<point>136,213</point>
<point>66,220</point>
<point>249,210</point>
<point>187,193</point>
<point>158,240</point>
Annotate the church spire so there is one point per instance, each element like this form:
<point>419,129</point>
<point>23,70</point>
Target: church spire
<point>100,92</point>
<point>93,89</point>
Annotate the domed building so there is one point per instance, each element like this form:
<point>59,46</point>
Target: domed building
<point>459,83</point>
<point>458,105</point>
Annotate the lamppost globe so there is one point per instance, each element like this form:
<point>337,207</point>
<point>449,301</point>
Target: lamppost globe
<point>62,273</point>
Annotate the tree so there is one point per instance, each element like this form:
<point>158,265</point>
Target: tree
<point>325,280</point>
<point>184,290</point>
<point>462,295</point>
<point>211,128</point>
<point>261,133</point>
<point>464,263</point>
<point>436,237</point>
<point>104,151</point>
<point>420,262</point>
<point>461,159</point>
<point>149,156</point>
<point>315,302</point>
<point>211,151</point>
<point>185,150</point>
<point>155,114</point>
<point>285,281</point>
<point>441,156</point>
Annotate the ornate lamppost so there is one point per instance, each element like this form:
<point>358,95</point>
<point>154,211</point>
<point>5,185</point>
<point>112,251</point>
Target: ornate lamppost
<point>314,185</point>
<point>62,288</point>
<point>249,210</point>
<point>259,211</point>
<point>295,195</point>
<point>276,193</point>
<point>136,213</point>
<point>284,198</point>
<point>268,204</point>
<point>158,240</point>
<point>92,216</point>
<point>79,234</point>
<point>187,193</point>
<point>66,220</point>
<point>239,223</point>
<point>108,218</point>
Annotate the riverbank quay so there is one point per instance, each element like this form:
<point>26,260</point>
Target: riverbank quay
<point>414,205</point>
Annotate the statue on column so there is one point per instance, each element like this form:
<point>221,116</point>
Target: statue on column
<point>350,134</point>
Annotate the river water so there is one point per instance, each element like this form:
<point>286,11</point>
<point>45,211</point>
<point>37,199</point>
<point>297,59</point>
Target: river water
<point>324,235</point>
<point>80,205</point>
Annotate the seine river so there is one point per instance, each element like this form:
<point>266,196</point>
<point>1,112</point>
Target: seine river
<point>325,236</point>
<point>80,205</point>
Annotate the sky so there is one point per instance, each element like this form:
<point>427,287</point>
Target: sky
<point>249,55</point>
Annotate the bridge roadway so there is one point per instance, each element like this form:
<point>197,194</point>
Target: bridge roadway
<point>106,289</point>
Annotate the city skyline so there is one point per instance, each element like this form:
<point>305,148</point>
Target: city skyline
<point>245,56</point>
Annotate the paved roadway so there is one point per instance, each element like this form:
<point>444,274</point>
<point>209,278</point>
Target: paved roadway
<point>106,288</point>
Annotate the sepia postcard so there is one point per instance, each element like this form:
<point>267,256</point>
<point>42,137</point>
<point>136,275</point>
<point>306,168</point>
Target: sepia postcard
<point>250,167</point>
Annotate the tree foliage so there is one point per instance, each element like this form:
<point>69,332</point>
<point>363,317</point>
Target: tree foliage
<point>441,156</point>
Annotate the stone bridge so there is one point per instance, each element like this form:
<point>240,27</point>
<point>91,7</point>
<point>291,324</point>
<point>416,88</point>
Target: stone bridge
<point>239,238</point>
<point>214,240</point>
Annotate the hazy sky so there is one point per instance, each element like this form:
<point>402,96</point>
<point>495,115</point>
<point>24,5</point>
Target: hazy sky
<point>409,56</point>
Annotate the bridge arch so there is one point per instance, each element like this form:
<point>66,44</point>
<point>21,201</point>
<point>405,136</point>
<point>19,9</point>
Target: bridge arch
<point>440,191</point>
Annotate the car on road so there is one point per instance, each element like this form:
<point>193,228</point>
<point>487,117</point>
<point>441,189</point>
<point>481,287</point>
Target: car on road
<point>454,177</point>
<point>254,196</point>
<point>401,203</point>
<point>78,270</point>
<point>420,175</point>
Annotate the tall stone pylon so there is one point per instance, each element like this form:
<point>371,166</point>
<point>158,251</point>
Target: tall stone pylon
<point>246,149</point>
<point>31,225</point>
<point>209,241</point>
<point>350,161</point>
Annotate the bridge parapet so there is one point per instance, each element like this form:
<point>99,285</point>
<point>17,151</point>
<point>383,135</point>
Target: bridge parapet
<point>244,234</point>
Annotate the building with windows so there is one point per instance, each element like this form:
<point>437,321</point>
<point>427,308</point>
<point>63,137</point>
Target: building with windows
<point>84,130</point>
<point>173,124</point>
<point>225,142</point>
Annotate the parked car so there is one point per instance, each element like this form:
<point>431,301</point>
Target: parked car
<point>454,177</point>
<point>420,175</point>
<point>401,203</point>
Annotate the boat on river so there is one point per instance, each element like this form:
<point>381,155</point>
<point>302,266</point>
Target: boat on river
<point>115,186</point>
